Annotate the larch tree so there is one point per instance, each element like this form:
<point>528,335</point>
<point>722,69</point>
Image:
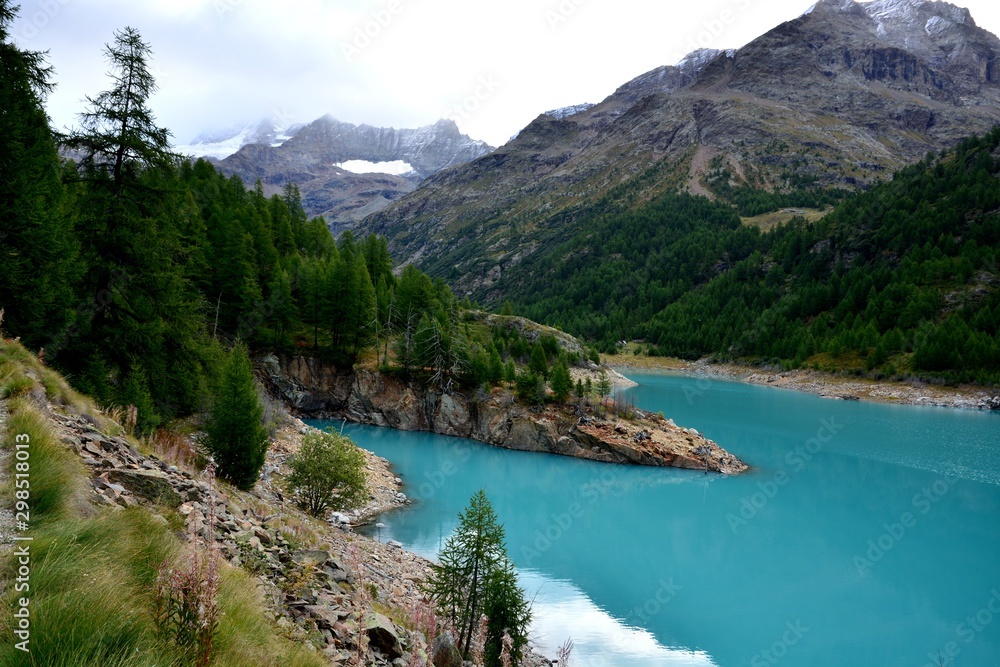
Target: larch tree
<point>234,434</point>
<point>474,576</point>
<point>39,264</point>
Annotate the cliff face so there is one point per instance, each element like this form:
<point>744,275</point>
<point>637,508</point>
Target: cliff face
<point>367,397</point>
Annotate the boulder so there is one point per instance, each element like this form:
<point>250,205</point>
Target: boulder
<point>445,653</point>
<point>317,557</point>
<point>326,617</point>
<point>153,486</point>
<point>382,636</point>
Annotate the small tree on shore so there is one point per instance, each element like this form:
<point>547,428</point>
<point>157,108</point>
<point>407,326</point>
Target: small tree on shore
<point>474,576</point>
<point>604,385</point>
<point>235,436</point>
<point>328,473</point>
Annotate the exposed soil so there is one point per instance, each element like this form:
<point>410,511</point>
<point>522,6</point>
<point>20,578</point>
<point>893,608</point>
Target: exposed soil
<point>827,385</point>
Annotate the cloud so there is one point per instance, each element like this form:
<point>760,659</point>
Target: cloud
<point>401,63</point>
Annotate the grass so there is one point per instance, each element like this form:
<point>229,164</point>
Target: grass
<point>768,221</point>
<point>93,572</point>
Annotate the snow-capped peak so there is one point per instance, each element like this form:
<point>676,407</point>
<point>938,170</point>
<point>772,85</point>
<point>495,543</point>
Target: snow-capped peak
<point>566,112</point>
<point>220,144</point>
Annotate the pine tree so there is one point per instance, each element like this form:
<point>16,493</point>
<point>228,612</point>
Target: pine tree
<point>234,434</point>
<point>495,371</point>
<point>281,304</point>
<point>135,392</point>
<point>39,263</point>
<point>561,382</point>
<point>474,575</point>
<point>128,201</point>
<point>604,385</point>
<point>538,363</point>
<point>120,135</point>
<point>509,371</point>
<point>508,612</point>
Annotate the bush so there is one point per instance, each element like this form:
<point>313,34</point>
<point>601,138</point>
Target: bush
<point>328,473</point>
<point>530,388</point>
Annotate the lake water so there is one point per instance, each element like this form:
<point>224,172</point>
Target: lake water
<point>865,535</point>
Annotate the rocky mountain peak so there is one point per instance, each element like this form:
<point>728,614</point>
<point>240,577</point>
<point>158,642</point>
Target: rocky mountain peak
<point>670,78</point>
<point>840,96</point>
<point>346,171</point>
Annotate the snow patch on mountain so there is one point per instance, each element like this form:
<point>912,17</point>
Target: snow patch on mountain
<point>394,167</point>
<point>566,112</point>
<point>220,144</point>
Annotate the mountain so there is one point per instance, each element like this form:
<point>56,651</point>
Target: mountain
<point>220,144</point>
<point>839,97</point>
<point>348,171</point>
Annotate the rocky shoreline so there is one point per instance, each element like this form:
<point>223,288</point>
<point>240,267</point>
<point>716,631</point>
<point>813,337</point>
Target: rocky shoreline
<point>314,389</point>
<point>346,585</point>
<point>827,385</point>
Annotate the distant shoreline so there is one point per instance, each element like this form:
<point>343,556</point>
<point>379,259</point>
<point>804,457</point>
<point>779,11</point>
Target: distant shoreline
<point>827,385</point>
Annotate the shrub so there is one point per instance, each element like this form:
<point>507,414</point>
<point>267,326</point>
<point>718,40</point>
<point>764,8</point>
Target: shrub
<point>327,473</point>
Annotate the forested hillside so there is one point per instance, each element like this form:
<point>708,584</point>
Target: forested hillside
<point>898,280</point>
<point>133,271</point>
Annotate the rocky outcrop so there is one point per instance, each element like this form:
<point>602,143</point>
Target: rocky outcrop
<point>367,397</point>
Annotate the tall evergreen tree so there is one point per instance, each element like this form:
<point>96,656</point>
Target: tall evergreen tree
<point>39,265</point>
<point>508,612</point>
<point>129,202</point>
<point>474,575</point>
<point>561,381</point>
<point>234,433</point>
<point>119,132</point>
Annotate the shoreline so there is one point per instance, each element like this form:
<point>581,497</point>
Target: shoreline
<point>819,383</point>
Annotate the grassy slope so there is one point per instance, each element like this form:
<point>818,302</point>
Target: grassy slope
<point>93,571</point>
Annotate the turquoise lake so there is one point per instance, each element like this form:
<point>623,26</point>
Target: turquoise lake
<point>865,535</point>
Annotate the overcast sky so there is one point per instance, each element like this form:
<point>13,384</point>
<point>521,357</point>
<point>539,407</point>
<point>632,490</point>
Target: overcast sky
<point>491,66</point>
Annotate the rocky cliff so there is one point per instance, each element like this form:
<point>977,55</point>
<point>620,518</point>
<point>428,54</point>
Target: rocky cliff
<point>313,388</point>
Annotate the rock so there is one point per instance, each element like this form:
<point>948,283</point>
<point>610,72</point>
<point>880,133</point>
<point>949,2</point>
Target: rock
<point>326,617</point>
<point>382,636</point>
<point>316,557</point>
<point>262,535</point>
<point>445,653</point>
<point>153,486</point>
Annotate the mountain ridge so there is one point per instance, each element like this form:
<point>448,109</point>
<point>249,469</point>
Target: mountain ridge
<point>313,156</point>
<point>828,99</point>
